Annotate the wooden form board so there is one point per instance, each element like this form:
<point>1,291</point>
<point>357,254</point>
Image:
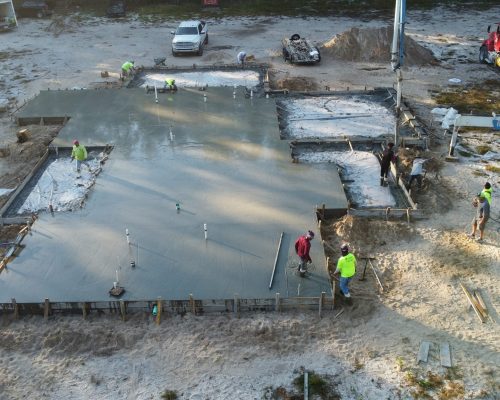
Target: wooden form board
<point>445,354</point>
<point>423,351</point>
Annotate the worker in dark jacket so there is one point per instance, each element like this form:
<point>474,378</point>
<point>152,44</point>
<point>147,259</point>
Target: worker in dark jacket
<point>387,157</point>
<point>302,247</point>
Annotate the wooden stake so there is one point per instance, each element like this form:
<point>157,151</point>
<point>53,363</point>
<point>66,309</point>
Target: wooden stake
<point>84,310</point>
<point>122,310</point>
<point>321,302</point>
<point>236,305</point>
<point>481,302</point>
<point>46,309</point>
<point>16,309</point>
<point>192,304</point>
<point>277,306</point>
<point>472,303</point>
<point>158,305</point>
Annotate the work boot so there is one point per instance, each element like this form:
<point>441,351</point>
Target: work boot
<point>347,296</point>
<point>381,181</point>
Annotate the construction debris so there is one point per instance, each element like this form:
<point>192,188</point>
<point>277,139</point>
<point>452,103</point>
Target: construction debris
<point>15,246</point>
<point>23,135</point>
<point>445,355</point>
<point>475,305</point>
<point>423,351</point>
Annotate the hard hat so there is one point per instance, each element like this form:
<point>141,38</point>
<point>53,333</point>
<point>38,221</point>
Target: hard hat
<point>310,234</point>
<point>76,142</point>
<point>344,249</point>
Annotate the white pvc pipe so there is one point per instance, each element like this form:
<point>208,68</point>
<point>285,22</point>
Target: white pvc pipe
<point>171,134</point>
<point>395,35</point>
<point>206,231</point>
<point>128,236</point>
<point>156,95</point>
<point>204,97</point>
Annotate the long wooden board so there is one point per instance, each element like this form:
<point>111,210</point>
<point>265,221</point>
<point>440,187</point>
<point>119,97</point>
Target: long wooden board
<point>445,355</point>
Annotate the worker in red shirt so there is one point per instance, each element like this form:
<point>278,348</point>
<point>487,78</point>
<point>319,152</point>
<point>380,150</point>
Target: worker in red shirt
<point>302,247</point>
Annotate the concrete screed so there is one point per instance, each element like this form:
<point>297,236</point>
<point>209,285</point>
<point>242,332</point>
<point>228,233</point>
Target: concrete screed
<point>226,167</point>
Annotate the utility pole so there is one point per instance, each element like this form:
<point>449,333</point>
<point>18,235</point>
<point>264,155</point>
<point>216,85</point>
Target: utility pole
<point>397,54</point>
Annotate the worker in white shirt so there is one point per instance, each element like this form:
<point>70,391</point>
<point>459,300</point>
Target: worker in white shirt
<point>417,170</point>
<point>241,58</point>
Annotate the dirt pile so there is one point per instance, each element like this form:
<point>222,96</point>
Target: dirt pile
<point>366,236</point>
<point>374,45</point>
<point>296,83</point>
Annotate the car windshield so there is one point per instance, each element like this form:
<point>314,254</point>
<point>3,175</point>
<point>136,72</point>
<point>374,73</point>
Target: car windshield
<point>187,30</point>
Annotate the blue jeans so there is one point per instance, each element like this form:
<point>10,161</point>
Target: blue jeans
<point>344,285</point>
<point>79,164</point>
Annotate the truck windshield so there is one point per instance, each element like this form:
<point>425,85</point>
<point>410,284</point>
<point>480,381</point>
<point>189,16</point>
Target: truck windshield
<point>187,30</point>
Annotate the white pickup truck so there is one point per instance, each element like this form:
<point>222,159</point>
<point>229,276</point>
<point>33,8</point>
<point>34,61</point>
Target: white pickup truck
<point>190,37</point>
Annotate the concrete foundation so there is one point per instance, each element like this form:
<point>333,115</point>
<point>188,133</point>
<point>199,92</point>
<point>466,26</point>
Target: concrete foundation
<point>219,158</point>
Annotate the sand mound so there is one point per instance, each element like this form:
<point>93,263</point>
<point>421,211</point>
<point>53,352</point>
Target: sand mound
<point>296,83</point>
<point>374,44</point>
<point>367,236</point>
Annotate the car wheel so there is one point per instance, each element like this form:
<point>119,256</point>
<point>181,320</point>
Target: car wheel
<point>206,39</point>
<point>174,53</point>
<point>319,55</point>
<point>292,59</point>
<point>200,51</point>
<point>483,54</point>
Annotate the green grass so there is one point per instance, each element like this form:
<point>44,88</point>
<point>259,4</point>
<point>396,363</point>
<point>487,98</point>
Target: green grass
<point>481,98</point>
<point>483,149</point>
<point>169,395</point>
<point>317,385</point>
<point>492,168</point>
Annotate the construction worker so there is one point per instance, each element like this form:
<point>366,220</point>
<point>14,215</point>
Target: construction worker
<point>128,68</point>
<point>387,157</point>
<point>417,170</point>
<point>240,58</point>
<point>482,216</point>
<point>302,248</point>
<point>487,191</point>
<point>170,84</point>
<point>346,266</point>
<point>79,153</point>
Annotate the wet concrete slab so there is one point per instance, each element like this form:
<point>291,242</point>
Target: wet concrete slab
<point>226,167</point>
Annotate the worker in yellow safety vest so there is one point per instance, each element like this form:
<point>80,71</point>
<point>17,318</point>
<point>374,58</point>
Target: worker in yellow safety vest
<point>127,68</point>
<point>346,266</point>
<point>79,153</point>
<point>170,84</point>
<point>487,192</point>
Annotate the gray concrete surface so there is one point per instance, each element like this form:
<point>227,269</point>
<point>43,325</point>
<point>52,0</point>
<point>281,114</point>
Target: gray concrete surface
<point>226,167</point>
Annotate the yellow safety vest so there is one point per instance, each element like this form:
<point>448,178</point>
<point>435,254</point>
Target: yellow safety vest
<point>347,266</point>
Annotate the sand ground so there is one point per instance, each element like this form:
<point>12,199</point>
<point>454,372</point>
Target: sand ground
<point>367,352</point>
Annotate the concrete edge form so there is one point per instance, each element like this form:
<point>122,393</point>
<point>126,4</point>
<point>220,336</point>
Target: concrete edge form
<point>322,303</point>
